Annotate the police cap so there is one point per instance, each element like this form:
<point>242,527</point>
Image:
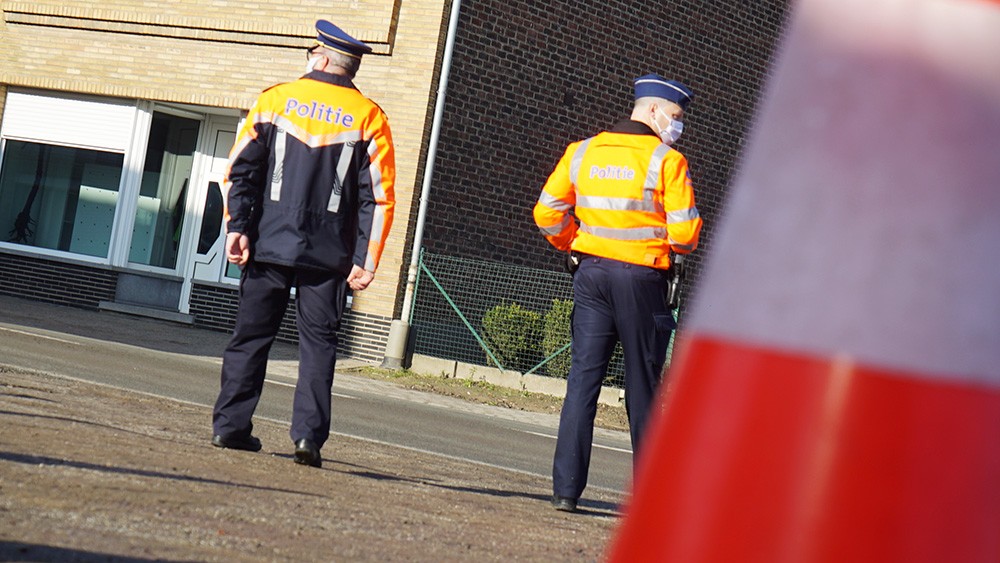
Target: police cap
<point>334,38</point>
<point>654,85</point>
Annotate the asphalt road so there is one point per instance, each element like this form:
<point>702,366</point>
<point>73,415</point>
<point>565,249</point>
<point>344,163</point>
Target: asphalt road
<point>180,362</point>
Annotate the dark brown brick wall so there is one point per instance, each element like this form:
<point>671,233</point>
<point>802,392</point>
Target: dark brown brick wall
<point>530,77</point>
<point>362,336</point>
<point>56,282</point>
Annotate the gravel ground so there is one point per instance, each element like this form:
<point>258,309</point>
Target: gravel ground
<point>87,475</point>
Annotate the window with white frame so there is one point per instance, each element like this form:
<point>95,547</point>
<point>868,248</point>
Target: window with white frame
<point>98,178</point>
<point>61,169</point>
<point>58,197</point>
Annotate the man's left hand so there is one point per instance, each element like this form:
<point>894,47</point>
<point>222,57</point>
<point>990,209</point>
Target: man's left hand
<point>359,278</point>
<point>237,249</point>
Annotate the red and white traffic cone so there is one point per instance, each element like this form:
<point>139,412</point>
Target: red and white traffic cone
<point>836,396</point>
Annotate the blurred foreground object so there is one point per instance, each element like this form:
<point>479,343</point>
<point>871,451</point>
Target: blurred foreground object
<point>837,390</point>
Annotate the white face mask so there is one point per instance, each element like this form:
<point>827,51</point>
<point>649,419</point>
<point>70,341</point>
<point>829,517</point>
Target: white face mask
<point>311,65</point>
<point>672,131</point>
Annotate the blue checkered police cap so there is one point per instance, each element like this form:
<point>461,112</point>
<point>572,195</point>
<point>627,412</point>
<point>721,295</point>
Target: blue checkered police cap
<point>654,85</point>
<point>334,38</point>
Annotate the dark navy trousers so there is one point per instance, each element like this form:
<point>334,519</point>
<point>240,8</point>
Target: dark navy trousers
<point>613,301</point>
<point>264,294</point>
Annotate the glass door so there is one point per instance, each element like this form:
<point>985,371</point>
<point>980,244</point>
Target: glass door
<point>166,178</point>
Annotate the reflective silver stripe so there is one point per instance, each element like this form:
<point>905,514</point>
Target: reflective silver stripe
<point>576,162</point>
<point>682,215</point>
<point>653,177</point>
<point>378,224</point>
<point>279,164</point>
<point>378,192</point>
<point>346,152</point>
<point>648,202</point>
<point>687,247</point>
<point>375,172</point>
<point>285,128</point>
<point>636,233</point>
<point>554,230</point>
<point>553,202</point>
<point>655,164</point>
<point>314,141</point>
<point>613,203</point>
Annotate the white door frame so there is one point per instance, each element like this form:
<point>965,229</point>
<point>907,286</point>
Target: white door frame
<point>214,146</point>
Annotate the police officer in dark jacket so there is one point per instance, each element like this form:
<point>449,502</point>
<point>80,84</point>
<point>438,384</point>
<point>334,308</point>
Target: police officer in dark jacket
<point>309,205</point>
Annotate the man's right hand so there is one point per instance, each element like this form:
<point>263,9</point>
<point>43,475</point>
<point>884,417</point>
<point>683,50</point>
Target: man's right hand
<point>237,248</point>
<point>359,278</point>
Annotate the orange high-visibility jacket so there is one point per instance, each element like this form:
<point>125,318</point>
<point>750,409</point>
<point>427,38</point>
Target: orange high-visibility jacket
<point>311,176</point>
<point>631,194</point>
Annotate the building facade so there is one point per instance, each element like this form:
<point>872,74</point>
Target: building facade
<point>531,77</point>
<point>116,119</point>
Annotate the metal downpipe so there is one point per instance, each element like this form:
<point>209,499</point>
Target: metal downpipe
<point>399,329</point>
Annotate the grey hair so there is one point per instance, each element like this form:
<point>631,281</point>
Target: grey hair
<point>347,63</point>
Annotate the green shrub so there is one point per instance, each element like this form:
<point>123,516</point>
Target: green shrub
<point>512,333</point>
<point>555,335</point>
<point>615,365</point>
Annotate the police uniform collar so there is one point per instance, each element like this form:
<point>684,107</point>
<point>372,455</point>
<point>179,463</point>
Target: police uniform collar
<point>633,127</point>
<point>335,79</point>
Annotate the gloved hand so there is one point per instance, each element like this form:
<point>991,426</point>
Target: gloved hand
<point>572,262</point>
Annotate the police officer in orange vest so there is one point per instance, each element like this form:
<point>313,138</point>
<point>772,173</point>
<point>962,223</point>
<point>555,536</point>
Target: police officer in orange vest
<point>309,205</point>
<point>632,195</point>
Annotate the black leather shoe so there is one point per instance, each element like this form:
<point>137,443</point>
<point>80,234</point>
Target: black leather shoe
<point>236,442</point>
<point>307,453</point>
<point>565,504</point>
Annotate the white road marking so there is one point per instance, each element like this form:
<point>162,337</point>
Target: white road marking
<point>542,434</point>
<point>292,385</point>
<point>36,335</point>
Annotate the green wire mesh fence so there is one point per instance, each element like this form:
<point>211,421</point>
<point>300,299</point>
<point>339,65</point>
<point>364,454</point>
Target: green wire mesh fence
<point>494,314</point>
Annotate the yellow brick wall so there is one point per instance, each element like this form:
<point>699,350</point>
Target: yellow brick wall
<point>267,22</point>
<point>403,84</point>
<point>187,51</point>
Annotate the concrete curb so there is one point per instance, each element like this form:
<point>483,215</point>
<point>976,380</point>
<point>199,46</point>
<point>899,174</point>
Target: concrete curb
<point>428,365</point>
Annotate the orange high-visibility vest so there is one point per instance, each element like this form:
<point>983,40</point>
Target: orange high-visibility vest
<point>631,194</point>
